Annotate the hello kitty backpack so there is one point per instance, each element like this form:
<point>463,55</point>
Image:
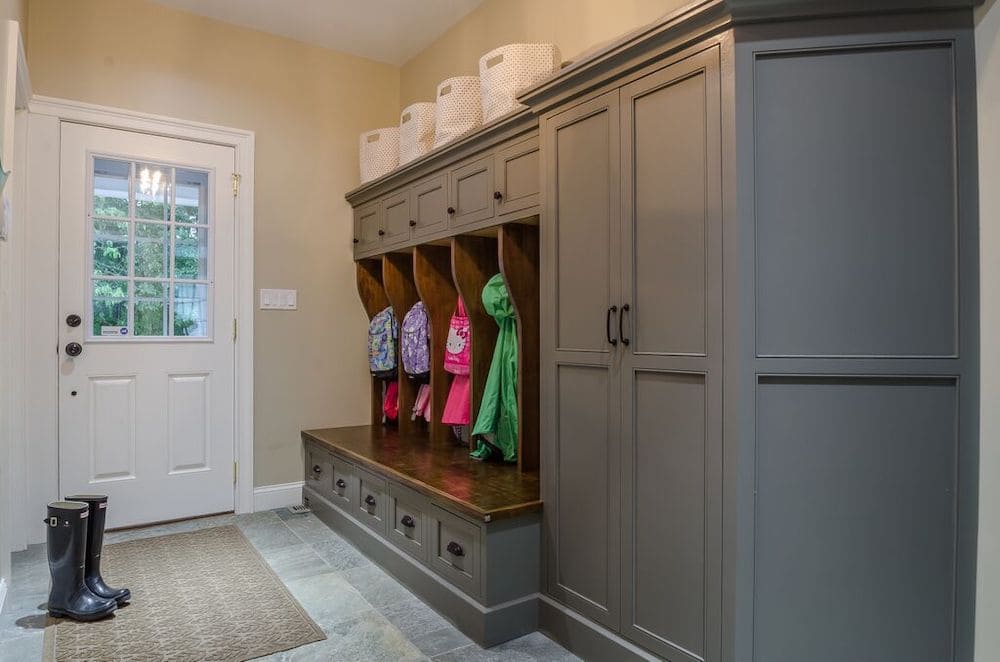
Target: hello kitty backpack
<point>458,350</point>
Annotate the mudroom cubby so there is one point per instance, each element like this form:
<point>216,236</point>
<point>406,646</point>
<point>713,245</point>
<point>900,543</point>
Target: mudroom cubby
<point>463,534</point>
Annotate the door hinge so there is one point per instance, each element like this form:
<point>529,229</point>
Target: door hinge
<point>236,183</point>
<point>236,471</point>
<point>234,329</point>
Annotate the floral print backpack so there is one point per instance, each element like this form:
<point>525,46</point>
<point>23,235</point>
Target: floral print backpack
<point>416,348</point>
<point>383,332</point>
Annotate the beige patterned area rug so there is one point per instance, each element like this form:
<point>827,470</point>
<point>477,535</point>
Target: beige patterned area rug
<point>204,595</point>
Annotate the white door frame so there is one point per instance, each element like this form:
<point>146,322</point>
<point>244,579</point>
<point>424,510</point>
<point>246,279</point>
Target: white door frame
<point>243,143</point>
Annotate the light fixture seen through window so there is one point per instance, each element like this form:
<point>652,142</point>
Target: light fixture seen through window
<point>151,183</point>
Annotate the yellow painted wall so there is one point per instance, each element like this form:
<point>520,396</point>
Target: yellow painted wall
<point>573,25</point>
<point>307,106</point>
<point>988,594</point>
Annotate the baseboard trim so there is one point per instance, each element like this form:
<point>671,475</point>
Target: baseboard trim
<point>269,497</point>
<point>584,638</point>
<point>3,592</point>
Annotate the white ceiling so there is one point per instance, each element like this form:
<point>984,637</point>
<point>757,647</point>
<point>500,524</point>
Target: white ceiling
<point>390,31</point>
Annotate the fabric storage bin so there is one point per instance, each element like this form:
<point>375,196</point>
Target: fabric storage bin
<point>416,131</point>
<point>379,152</point>
<point>459,109</point>
<point>507,70</point>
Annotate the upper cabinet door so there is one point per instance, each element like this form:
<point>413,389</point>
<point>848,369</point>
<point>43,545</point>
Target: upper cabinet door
<point>517,178</point>
<point>671,369</point>
<point>396,219</point>
<point>471,192</point>
<point>367,223</point>
<point>429,206</point>
<point>579,377</point>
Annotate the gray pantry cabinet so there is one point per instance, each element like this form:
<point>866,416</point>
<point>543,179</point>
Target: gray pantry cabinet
<point>759,345</point>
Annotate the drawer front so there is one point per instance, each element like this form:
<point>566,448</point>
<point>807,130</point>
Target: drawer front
<point>344,488</point>
<point>470,190</point>
<point>518,178</point>
<point>319,470</point>
<point>396,219</point>
<point>408,522</point>
<point>455,550</point>
<point>367,225</point>
<point>372,505</point>
<point>429,206</point>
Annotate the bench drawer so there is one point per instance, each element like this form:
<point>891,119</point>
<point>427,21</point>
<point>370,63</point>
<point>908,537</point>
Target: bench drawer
<point>344,488</point>
<point>319,470</point>
<point>408,521</point>
<point>455,549</point>
<point>372,506</point>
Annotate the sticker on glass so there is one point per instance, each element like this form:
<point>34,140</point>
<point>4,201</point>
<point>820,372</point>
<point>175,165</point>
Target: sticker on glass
<point>114,330</point>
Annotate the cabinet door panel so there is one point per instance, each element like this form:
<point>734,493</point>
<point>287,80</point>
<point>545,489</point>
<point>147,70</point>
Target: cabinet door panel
<point>367,223</point>
<point>471,192</point>
<point>518,179</point>
<point>429,206</point>
<point>396,219</point>
<point>672,369</point>
<point>580,383</point>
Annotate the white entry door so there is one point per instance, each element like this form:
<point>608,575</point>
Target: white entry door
<point>146,310</point>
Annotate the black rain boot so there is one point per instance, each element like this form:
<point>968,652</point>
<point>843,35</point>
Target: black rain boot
<point>98,504</point>
<point>66,538</point>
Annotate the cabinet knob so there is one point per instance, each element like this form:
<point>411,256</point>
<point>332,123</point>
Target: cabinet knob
<point>317,469</point>
<point>381,233</point>
<point>370,500</point>
<point>412,223</point>
<point>408,522</point>
<point>451,210</point>
<point>356,240</point>
<point>455,549</point>
<point>341,484</point>
<point>497,195</point>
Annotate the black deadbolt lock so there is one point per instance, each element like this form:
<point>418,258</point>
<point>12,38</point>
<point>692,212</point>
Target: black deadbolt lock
<point>73,320</point>
<point>74,349</point>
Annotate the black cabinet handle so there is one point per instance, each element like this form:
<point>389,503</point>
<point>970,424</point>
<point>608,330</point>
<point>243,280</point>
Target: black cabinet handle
<point>74,349</point>
<point>455,549</point>
<point>413,224</point>
<point>451,210</point>
<point>607,325</point>
<point>497,195</point>
<point>317,469</point>
<point>381,233</point>
<point>341,484</point>
<point>370,500</point>
<point>621,322</point>
<point>356,240</point>
<point>408,522</point>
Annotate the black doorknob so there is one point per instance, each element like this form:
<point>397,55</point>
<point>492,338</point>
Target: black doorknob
<point>73,320</point>
<point>74,349</point>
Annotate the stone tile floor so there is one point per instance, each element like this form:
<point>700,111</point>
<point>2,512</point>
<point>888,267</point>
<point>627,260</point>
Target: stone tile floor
<point>366,614</point>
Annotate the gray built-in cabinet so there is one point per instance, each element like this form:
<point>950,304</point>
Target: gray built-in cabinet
<point>759,345</point>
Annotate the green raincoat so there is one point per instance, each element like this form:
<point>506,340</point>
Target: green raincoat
<point>496,426</point>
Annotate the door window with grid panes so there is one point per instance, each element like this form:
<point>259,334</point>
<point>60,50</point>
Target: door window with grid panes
<point>151,255</point>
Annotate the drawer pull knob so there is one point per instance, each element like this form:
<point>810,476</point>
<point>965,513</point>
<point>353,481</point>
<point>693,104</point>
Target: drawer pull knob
<point>413,224</point>
<point>455,549</point>
<point>451,210</point>
<point>408,522</point>
<point>381,233</point>
<point>497,195</point>
<point>317,469</point>
<point>356,240</point>
<point>370,500</point>
<point>341,483</point>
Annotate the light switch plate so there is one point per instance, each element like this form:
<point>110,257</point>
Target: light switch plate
<point>279,299</point>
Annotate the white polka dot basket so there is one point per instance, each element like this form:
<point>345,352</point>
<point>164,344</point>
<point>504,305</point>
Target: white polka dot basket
<point>506,71</point>
<point>416,131</point>
<point>379,152</point>
<point>459,109</point>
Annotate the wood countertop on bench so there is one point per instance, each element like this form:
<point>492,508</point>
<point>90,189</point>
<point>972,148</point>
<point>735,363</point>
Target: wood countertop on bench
<point>484,490</point>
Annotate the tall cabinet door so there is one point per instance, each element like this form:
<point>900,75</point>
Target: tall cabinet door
<point>579,376</point>
<point>671,362</point>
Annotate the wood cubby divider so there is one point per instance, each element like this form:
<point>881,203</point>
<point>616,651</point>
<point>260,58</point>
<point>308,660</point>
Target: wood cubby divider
<point>436,287</point>
<point>474,260</point>
<point>374,299</point>
<point>518,252</point>
<point>397,275</point>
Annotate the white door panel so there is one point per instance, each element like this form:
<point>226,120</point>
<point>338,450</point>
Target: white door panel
<point>146,410</point>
